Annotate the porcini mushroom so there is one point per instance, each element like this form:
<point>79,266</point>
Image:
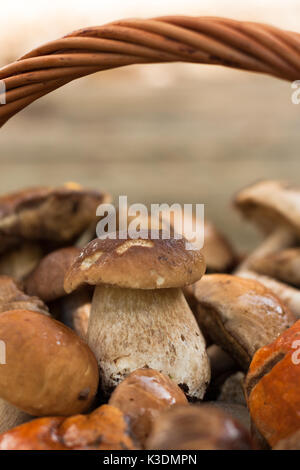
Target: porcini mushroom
<point>289,295</point>
<point>139,315</point>
<point>104,429</point>
<point>240,315</point>
<point>143,396</point>
<point>272,387</point>
<point>49,370</point>
<point>195,427</point>
<point>46,281</point>
<point>55,215</point>
<point>275,207</point>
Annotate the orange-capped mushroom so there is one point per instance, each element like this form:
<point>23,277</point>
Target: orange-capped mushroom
<point>104,429</point>
<point>272,387</point>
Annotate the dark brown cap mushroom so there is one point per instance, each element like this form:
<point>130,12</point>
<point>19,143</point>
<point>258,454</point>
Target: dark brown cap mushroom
<point>13,298</point>
<point>49,370</point>
<point>240,315</point>
<point>142,396</point>
<point>104,429</point>
<point>46,281</point>
<point>56,215</point>
<point>139,316</point>
<point>197,427</point>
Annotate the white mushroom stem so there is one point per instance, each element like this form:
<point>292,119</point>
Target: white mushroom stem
<point>10,416</point>
<point>281,238</point>
<point>287,294</point>
<point>130,329</point>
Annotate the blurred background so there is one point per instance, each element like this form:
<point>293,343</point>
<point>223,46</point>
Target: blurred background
<point>157,133</point>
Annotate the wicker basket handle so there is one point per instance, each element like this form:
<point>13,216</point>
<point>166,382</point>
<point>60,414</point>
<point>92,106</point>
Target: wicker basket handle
<point>242,45</point>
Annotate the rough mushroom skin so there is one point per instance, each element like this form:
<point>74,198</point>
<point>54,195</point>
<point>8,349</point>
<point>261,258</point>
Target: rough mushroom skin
<point>272,387</point>
<point>142,396</point>
<point>197,427</point>
<point>139,316</point>
<point>39,377</point>
<point>240,315</point>
<point>20,261</point>
<point>46,281</point>
<point>104,429</point>
<point>13,298</point>
<point>133,328</point>
<point>58,215</point>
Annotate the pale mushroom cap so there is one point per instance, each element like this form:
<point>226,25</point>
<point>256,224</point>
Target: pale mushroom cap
<point>283,265</point>
<point>270,204</point>
<point>240,315</point>
<point>47,280</point>
<point>136,263</point>
<point>49,370</point>
<point>50,214</point>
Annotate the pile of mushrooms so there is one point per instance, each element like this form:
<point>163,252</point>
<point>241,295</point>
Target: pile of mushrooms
<point>140,343</point>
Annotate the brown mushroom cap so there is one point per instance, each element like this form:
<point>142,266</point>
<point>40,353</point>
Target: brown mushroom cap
<point>13,298</point>
<point>197,427</point>
<point>104,429</point>
<point>240,315</point>
<point>142,396</point>
<point>49,369</point>
<point>270,204</point>
<point>283,265</point>
<point>136,263</point>
<point>47,279</point>
<point>50,214</point>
